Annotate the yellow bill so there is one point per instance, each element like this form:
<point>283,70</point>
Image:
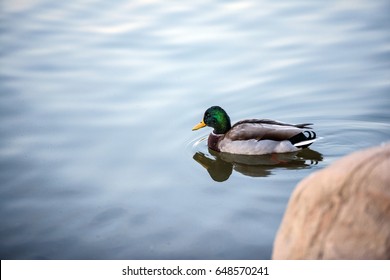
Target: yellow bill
<point>199,125</point>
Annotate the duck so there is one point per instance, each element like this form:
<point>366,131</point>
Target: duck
<point>254,136</point>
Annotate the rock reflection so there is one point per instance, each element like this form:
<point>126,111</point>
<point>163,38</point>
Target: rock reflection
<point>221,165</point>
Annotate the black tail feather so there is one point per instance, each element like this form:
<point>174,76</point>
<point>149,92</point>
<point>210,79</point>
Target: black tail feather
<point>307,135</point>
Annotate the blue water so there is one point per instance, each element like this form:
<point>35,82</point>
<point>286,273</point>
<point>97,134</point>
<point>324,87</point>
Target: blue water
<point>97,102</point>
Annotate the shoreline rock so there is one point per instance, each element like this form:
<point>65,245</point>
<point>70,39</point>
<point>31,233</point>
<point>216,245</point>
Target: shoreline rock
<point>340,212</point>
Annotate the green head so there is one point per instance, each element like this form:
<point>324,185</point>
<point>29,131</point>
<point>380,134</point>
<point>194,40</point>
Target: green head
<point>217,118</point>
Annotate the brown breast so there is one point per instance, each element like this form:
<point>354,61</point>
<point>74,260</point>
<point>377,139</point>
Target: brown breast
<point>214,140</point>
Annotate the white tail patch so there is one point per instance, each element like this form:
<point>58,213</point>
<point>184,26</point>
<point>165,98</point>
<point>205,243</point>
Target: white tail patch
<point>303,143</point>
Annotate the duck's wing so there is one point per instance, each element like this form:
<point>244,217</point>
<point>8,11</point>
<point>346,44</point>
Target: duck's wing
<point>270,130</point>
<point>272,122</point>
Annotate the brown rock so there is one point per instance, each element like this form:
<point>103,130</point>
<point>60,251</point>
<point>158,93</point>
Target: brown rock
<point>340,212</point>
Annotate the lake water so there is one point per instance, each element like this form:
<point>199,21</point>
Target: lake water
<point>98,99</point>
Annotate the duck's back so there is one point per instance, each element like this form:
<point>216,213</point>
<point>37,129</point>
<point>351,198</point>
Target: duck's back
<point>265,130</point>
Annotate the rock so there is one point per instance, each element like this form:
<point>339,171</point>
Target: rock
<point>340,212</point>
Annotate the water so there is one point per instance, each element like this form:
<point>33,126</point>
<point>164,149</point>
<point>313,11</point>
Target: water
<point>98,98</point>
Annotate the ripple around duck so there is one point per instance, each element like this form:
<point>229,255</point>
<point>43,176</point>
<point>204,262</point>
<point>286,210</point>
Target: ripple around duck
<point>198,143</point>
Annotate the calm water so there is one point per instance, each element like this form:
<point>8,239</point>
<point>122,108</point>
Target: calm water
<point>97,102</point>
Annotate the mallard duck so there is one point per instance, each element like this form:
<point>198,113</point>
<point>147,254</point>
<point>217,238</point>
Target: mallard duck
<point>254,136</point>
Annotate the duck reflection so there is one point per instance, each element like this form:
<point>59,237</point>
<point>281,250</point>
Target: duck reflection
<point>221,165</point>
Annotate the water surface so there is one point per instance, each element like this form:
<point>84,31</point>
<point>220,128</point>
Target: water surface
<point>97,156</point>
